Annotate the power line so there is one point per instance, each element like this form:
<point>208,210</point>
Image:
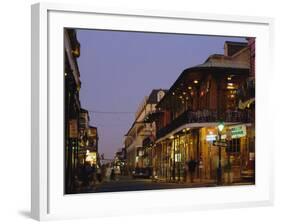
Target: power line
<point>111,125</point>
<point>111,112</point>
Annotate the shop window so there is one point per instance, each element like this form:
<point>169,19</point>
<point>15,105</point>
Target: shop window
<point>233,146</point>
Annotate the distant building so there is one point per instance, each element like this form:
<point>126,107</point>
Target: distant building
<point>92,154</point>
<point>93,139</point>
<point>120,162</point>
<point>141,130</point>
<point>88,143</point>
<point>84,120</point>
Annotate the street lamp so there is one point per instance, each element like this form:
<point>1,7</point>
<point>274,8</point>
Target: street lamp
<point>220,126</point>
<point>219,170</point>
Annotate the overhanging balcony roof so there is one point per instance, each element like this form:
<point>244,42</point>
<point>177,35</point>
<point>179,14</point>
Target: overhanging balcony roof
<point>191,119</point>
<point>194,126</point>
<point>226,64</point>
<point>217,67</point>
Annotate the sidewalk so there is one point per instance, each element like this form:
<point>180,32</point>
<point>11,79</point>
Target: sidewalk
<point>202,183</point>
<point>196,182</point>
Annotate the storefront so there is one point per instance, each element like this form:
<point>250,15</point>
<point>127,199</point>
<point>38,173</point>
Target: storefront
<point>171,154</point>
<point>236,155</point>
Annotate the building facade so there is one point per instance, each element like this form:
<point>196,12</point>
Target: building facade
<point>80,139</point>
<point>142,131</point>
<point>92,153</point>
<point>187,116</point>
<point>88,142</point>
<point>72,85</point>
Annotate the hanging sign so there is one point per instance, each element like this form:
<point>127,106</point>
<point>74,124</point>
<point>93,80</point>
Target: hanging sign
<point>211,137</point>
<point>238,131</point>
<point>73,128</point>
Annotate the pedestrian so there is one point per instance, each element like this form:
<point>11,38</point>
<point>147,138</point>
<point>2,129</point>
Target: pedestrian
<point>86,172</point>
<point>154,175</point>
<point>80,173</point>
<point>99,177</point>
<point>77,184</point>
<point>93,175</point>
<point>191,168</point>
<point>201,166</point>
<point>185,171</point>
<point>112,174</point>
<point>107,173</point>
<point>103,170</point>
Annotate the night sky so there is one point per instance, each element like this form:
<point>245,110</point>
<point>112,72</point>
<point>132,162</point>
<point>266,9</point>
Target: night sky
<point>119,68</point>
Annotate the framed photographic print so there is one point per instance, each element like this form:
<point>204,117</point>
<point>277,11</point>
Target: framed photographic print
<point>148,111</point>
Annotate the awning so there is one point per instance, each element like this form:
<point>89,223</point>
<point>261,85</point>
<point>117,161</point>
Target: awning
<point>194,125</point>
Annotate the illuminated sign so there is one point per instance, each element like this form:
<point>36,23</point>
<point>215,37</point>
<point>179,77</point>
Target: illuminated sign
<point>238,131</point>
<point>91,157</point>
<point>232,132</point>
<point>210,138</point>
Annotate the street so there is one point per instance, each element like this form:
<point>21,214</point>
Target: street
<point>127,183</point>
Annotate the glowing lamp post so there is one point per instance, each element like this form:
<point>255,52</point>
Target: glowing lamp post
<point>219,170</point>
<point>221,126</point>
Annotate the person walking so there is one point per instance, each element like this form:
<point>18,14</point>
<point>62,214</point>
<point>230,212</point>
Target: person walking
<point>87,175</point>
<point>108,173</point>
<point>112,174</point>
<point>154,175</point>
<point>191,168</point>
<point>103,172</point>
<point>185,171</point>
<point>99,177</point>
<point>200,166</point>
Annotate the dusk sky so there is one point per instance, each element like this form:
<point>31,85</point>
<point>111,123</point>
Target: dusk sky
<point>118,69</point>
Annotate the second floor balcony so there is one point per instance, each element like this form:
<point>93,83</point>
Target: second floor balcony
<point>207,116</point>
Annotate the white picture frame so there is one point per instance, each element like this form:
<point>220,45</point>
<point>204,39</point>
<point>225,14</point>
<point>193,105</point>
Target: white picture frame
<point>48,201</point>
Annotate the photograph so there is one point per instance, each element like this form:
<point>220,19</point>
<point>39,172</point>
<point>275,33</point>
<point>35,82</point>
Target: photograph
<point>157,111</point>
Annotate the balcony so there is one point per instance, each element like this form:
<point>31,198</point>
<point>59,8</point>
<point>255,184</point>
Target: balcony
<point>206,116</point>
<point>247,90</point>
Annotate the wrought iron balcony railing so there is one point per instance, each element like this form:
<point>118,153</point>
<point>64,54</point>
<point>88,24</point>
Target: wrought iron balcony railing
<point>205,116</point>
